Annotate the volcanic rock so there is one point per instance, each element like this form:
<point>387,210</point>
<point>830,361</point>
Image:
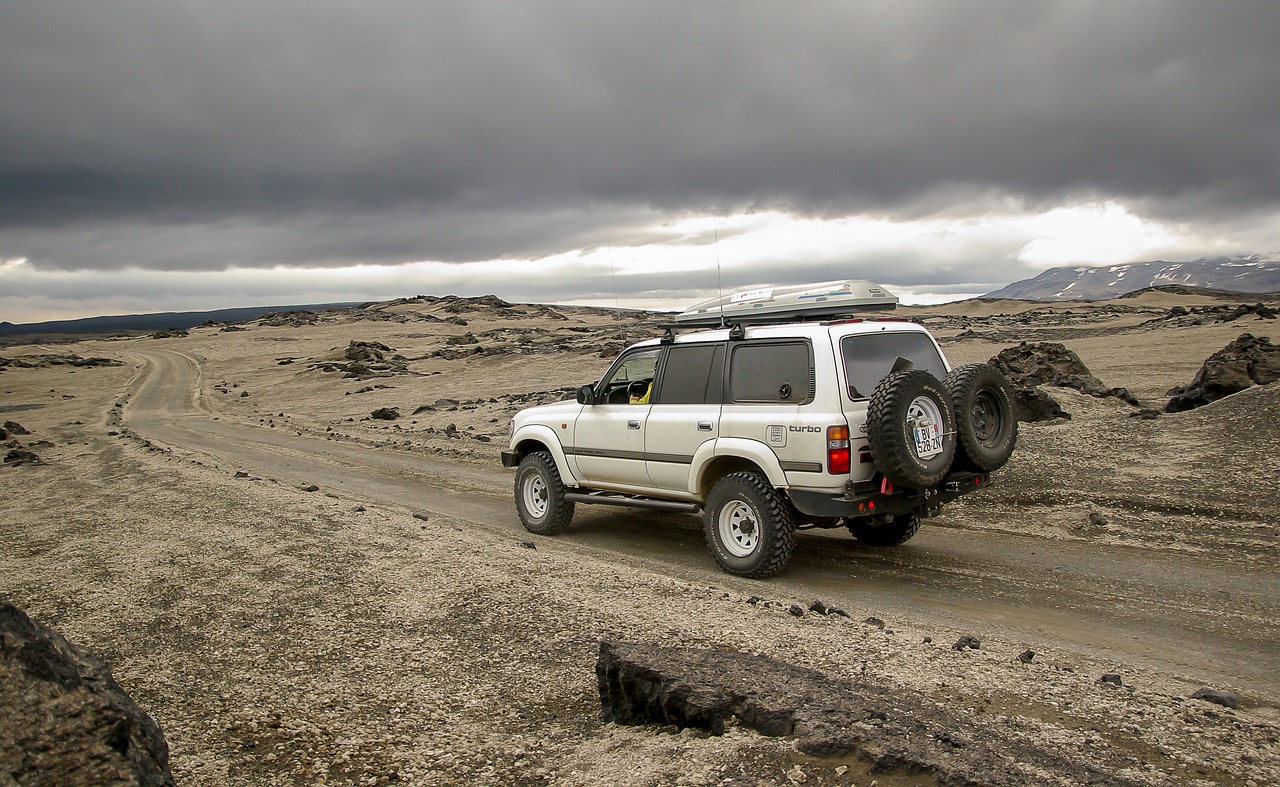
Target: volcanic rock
<point>1224,698</point>
<point>1243,363</point>
<point>64,719</point>
<point>1032,364</point>
<point>385,414</point>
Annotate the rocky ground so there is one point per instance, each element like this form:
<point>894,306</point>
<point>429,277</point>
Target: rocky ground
<point>283,636</point>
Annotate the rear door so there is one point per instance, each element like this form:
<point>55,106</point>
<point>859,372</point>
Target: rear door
<point>685,413</point>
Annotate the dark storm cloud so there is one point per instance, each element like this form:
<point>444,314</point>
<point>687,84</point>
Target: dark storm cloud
<point>190,135</point>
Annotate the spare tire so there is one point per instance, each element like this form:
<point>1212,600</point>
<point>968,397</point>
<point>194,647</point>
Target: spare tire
<point>986,422</point>
<point>911,428</point>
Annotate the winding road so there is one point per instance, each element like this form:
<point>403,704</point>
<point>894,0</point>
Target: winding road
<point>1208,619</point>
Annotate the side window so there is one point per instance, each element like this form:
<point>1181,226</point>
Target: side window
<point>692,374</point>
<point>631,376</point>
<point>771,372</point>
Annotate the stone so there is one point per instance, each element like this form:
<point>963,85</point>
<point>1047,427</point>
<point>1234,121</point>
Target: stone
<point>385,414</point>
<point>1111,679</point>
<point>1243,363</point>
<point>64,719</point>
<point>13,427</point>
<point>18,457</point>
<point>1026,656</point>
<point>1034,405</point>
<point>796,610</point>
<point>1224,698</point>
<point>967,641</point>
<point>818,607</point>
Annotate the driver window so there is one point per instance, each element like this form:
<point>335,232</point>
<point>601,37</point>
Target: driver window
<point>631,380</point>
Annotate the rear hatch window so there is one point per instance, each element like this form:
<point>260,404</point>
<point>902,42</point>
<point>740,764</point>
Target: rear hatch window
<point>869,357</point>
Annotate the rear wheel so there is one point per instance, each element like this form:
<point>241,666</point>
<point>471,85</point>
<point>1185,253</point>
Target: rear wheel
<point>898,531</point>
<point>540,495</point>
<point>749,526</point>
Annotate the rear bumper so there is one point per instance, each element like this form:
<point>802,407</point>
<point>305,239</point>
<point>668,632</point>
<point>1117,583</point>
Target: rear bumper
<point>866,499</point>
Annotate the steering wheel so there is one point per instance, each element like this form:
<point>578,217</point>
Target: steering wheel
<point>637,388</point>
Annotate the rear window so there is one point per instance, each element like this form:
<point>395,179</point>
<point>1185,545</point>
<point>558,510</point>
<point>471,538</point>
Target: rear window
<point>869,357</point>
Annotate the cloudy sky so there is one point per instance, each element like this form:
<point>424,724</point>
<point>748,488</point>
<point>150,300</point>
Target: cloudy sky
<point>161,155</point>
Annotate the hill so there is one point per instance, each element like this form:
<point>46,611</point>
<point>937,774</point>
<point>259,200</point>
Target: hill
<point>1241,274</point>
<point>161,321</point>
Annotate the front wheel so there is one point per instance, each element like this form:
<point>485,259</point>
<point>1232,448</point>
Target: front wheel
<point>540,495</point>
<point>749,526</point>
<point>896,532</point>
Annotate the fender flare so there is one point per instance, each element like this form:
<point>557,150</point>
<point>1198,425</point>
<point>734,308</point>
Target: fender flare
<point>536,433</point>
<point>753,451</point>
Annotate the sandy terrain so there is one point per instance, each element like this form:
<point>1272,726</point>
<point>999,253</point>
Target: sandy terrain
<point>396,625</point>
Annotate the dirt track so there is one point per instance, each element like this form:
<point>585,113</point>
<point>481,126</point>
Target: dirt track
<point>284,636</point>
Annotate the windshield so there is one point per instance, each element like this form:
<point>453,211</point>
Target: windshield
<point>869,357</point>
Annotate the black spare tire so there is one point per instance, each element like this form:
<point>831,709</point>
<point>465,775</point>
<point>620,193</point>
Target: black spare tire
<point>911,428</point>
<point>986,424</point>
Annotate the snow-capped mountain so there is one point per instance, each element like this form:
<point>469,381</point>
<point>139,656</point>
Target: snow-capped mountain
<point>1241,274</point>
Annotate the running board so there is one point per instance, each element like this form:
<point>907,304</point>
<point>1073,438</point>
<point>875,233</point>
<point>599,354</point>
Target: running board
<point>632,502</point>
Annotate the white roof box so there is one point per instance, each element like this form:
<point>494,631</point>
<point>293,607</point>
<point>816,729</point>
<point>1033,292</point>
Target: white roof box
<point>790,303</point>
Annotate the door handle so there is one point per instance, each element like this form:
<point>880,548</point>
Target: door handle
<point>705,426</point>
<point>633,424</point>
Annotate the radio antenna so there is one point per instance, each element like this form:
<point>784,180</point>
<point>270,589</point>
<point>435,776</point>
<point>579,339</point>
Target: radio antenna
<point>719,283</point>
<point>613,277</point>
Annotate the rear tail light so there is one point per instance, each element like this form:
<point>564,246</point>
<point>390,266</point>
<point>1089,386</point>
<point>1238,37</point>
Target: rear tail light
<point>838,450</point>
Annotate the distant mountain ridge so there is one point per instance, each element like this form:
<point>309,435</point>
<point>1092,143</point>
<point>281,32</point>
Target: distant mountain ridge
<point>162,321</point>
<point>1238,274</point>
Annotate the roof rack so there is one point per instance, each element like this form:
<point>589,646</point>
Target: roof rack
<point>793,303</point>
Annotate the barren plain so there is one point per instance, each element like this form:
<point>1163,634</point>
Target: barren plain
<point>293,543</point>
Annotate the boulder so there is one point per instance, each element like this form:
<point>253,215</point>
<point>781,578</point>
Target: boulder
<point>64,719</point>
<point>1036,405</point>
<point>1051,364</point>
<point>1243,363</point>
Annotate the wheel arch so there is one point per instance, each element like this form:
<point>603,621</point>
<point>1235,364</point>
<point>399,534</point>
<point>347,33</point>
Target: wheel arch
<point>539,438</point>
<point>730,455</point>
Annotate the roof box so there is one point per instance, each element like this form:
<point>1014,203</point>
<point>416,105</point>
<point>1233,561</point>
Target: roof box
<point>790,303</point>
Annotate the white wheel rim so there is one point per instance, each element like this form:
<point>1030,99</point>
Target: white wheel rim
<point>923,408</point>
<point>535,496</point>
<point>739,528</point>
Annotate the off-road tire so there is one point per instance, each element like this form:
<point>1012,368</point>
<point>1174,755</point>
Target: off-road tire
<point>897,532</point>
<point>540,495</point>
<point>986,421</point>
<point>749,526</point>
<point>894,404</point>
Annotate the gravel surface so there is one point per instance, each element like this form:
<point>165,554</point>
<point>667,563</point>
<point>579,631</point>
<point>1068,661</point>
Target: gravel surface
<point>282,636</point>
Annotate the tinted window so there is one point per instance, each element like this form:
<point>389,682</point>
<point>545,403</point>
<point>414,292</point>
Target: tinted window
<point>868,358</point>
<point>771,372</point>
<point>692,374</point>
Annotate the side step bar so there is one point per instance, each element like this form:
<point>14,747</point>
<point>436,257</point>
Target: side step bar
<point>632,502</point>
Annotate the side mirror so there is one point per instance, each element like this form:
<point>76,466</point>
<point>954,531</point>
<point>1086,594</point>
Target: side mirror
<point>587,395</point>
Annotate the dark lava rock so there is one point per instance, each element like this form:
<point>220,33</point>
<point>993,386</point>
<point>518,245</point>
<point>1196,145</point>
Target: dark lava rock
<point>1111,679</point>
<point>1257,310</point>
<point>1243,363</point>
<point>1036,405</point>
<point>64,719</point>
<point>818,607</point>
<point>1048,363</point>
<point>13,427</point>
<point>19,457</point>
<point>967,641</point>
<point>828,716</point>
<point>876,622</point>
<point>310,488</point>
<point>171,333</point>
<point>1224,698</point>
<point>466,338</point>
<point>1026,656</point>
<point>796,610</point>
<point>366,351</point>
<point>385,414</point>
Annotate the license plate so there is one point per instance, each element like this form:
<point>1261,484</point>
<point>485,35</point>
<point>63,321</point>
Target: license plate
<point>928,440</point>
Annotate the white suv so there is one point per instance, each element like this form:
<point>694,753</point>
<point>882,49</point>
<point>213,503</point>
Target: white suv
<point>769,428</point>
